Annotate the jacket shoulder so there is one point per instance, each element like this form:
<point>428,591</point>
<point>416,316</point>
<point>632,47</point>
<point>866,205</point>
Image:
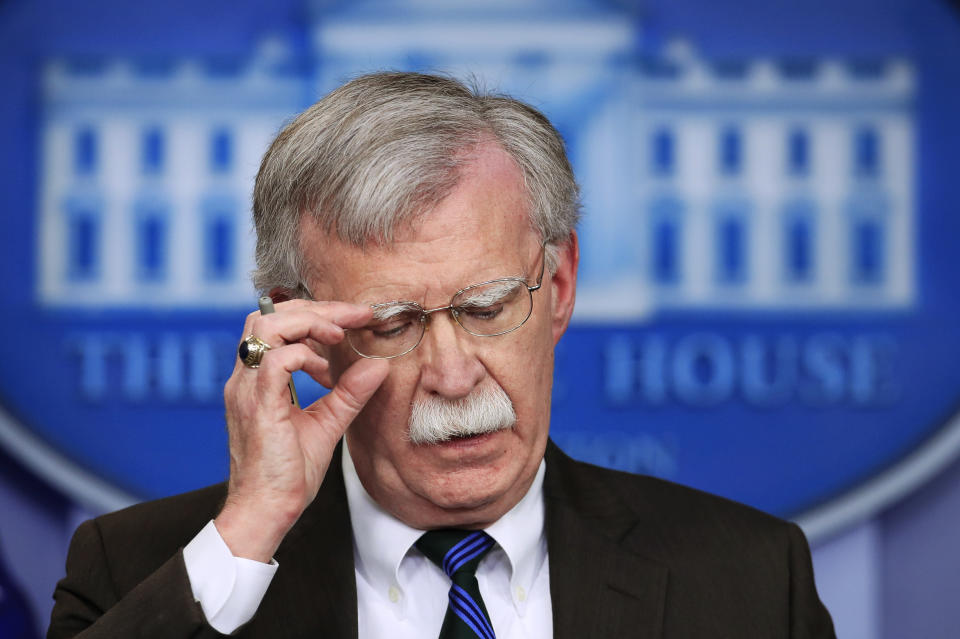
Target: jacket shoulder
<point>166,516</point>
<point>677,502</point>
<point>669,520</point>
<point>724,568</point>
<point>138,539</point>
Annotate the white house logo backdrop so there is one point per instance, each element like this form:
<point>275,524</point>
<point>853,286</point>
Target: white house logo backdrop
<point>766,306</point>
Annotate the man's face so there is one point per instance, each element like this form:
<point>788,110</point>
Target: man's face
<point>479,232</point>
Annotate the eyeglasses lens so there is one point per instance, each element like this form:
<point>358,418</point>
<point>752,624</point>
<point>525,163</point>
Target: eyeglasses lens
<point>395,329</point>
<point>489,309</point>
<point>494,308</point>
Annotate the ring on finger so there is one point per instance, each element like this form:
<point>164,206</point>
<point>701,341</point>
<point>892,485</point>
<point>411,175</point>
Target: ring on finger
<point>251,351</point>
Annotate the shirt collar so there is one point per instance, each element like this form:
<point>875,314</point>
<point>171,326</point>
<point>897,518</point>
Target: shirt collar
<point>382,541</point>
<point>521,536</point>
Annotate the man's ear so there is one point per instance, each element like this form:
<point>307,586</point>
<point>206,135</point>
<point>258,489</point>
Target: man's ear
<point>564,284</point>
<point>279,294</point>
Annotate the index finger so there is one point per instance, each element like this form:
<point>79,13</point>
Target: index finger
<point>343,314</point>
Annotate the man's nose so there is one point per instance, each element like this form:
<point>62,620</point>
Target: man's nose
<point>449,365</point>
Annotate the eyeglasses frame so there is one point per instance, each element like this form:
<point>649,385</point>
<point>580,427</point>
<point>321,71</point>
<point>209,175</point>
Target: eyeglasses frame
<point>425,312</point>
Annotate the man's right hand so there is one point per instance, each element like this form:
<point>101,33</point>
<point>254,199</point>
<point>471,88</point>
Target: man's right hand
<point>279,453</point>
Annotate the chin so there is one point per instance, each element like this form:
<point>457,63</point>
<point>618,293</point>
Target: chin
<point>475,488</point>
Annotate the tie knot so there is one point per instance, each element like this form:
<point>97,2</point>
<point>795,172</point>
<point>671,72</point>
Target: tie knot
<point>455,550</point>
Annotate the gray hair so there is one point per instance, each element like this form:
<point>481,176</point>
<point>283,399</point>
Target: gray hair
<point>387,147</point>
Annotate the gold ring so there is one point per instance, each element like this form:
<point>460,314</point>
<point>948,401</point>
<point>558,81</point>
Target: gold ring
<point>251,351</point>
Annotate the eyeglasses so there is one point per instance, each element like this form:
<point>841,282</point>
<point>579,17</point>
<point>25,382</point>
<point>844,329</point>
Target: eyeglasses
<point>487,309</point>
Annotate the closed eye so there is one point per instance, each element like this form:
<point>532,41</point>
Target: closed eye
<point>482,312</point>
<point>393,320</point>
<point>391,330</point>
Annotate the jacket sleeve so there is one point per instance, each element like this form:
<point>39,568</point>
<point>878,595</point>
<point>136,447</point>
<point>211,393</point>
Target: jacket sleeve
<point>809,618</point>
<point>89,604</point>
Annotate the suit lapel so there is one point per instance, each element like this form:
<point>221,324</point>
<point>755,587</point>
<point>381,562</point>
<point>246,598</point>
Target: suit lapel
<point>598,588</point>
<point>314,593</point>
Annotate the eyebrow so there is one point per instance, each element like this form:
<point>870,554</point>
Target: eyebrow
<point>388,310</point>
<point>493,294</point>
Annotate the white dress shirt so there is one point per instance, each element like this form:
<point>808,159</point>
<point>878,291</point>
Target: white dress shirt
<point>400,593</point>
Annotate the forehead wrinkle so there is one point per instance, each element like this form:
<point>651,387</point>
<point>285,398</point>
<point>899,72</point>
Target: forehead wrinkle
<point>420,268</point>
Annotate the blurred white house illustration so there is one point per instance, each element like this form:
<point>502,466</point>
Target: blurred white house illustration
<point>747,184</point>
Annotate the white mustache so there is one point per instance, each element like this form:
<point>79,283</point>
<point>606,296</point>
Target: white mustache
<point>486,410</point>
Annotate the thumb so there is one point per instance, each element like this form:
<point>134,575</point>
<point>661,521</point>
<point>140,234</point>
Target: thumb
<point>351,393</point>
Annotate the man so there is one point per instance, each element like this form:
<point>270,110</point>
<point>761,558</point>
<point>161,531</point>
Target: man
<point>435,228</point>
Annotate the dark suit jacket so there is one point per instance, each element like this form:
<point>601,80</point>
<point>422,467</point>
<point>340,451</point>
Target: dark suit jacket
<point>630,556</point>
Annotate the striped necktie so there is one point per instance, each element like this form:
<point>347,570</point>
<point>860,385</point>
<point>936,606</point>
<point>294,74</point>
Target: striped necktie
<point>458,553</point>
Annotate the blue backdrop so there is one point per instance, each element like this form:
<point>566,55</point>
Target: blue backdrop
<point>767,299</point>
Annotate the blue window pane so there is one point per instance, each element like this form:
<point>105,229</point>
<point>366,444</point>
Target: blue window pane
<point>867,69</point>
<point>731,151</point>
<point>662,152</point>
<point>218,245</point>
<point>798,153</point>
<point>83,245</point>
<point>152,246</point>
<point>154,68</point>
<point>153,151</point>
<point>223,67</point>
<point>659,68</point>
<point>731,251</point>
<point>867,252</point>
<point>420,61</point>
<point>86,66</point>
<point>85,151</point>
<point>799,250</point>
<point>665,252</point>
<point>730,69</point>
<point>798,69</point>
<point>866,153</point>
<point>84,237</point>
<point>221,151</point>
<point>531,60</point>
